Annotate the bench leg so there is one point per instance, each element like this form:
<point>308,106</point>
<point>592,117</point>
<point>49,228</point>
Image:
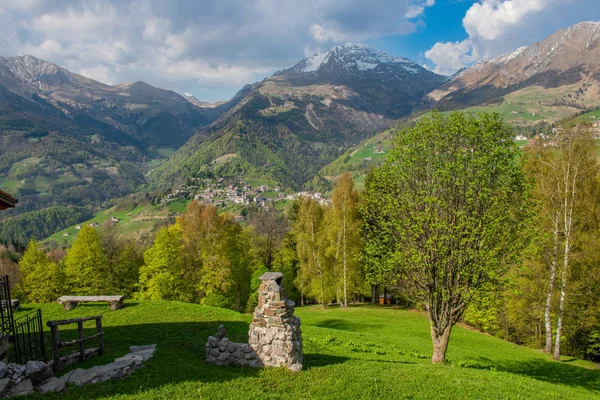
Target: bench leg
<point>69,305</point>
<point>116,305</point>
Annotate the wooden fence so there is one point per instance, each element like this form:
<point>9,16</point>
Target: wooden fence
<point>57,345</point>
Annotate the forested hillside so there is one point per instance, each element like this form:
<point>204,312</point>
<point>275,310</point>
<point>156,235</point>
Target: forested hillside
<point>290,125</point>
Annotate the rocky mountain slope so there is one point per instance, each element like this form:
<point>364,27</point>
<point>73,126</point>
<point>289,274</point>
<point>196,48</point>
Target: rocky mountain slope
<point>288,126</point>
<point>67,139</point>
<point>569,56</point>
<point>150,116</point>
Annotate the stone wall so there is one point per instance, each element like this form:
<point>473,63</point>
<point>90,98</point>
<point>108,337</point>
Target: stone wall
<point>220,351</point>
<point>36,376</point>
<point>275,339</point>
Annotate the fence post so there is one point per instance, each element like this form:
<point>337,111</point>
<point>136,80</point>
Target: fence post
<point>41,328</point>
<point>100,336</point>
<point>81,346</point>
<point>56,349</point>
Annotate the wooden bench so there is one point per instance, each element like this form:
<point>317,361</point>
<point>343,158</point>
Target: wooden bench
<point>70,302</point>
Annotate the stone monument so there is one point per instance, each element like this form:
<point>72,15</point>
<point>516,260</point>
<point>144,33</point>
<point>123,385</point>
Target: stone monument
<point>274,338</point>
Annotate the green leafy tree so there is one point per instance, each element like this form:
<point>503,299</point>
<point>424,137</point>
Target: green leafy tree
<point>86,266</point>
<point>217,257</point>
<point>343,227</point>
<point>576,178</point>
<point>124,259</point>
<point>315,274</point>
<point>41,278</point>
<point>452,202</point>
<point>162,277</point>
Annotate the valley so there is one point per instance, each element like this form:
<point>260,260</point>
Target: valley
<point>300,128</point>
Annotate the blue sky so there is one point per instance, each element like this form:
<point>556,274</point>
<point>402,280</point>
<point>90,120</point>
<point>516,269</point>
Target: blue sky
<point>212,48</point>
<point>441,22</point>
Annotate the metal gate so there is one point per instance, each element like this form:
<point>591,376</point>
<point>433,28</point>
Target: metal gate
<point>6,314</point>
<point>29,337</point>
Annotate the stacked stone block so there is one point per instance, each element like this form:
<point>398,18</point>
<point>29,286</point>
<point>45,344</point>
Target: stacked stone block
<point>275,339</point>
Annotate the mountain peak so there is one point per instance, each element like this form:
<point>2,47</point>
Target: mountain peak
<point>352,59</point>
<point>29,68</point>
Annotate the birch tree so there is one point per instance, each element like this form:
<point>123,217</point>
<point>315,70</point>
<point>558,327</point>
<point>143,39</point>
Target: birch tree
<point>315,278</point>
<point>542,167</point>
<point>344,227</point>
<point>576,170</point>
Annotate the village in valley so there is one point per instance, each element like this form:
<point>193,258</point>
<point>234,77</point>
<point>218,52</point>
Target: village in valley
<point>222,193</point>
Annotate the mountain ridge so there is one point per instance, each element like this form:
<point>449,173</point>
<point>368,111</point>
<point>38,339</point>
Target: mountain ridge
<point>569,55</point>
<point>301,118</point>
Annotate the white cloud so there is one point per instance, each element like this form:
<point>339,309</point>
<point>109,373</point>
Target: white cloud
<point>495,27</point>
<point>492,18</point>
<point>189,45</point>
<point>416,10</point>
<point>451,56</point>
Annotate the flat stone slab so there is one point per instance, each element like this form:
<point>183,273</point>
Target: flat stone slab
<point>70,302</point>
<point>52,385</point>
<point>120,368</point>
<point>4,386</point>
<point>135,349</point>
<point>90,299</point>
<point>271,276</point>
<point>25,387</point>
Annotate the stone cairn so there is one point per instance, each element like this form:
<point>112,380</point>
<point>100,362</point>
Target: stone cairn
<point>275,339</point>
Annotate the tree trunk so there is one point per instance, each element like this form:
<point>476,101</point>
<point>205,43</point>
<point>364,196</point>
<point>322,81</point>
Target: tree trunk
<point>553,263</point>
<point>345,273</point>
<point>561,309</point>
<point>384,295</point>
<point>568,224</point>
<point>374,290</point>
<point>440,344</point>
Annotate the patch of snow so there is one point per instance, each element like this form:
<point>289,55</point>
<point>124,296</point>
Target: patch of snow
<point>504,59</point>
<point>314,63</point>
<point>364,66</point>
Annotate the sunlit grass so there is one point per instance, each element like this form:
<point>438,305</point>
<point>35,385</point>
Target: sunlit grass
<point>361,352</point>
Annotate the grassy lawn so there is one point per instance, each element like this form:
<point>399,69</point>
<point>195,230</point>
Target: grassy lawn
<point>359,353</point>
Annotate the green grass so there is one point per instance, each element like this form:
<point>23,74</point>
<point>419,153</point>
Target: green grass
<point>162,152</point>
<point>141,220</point>
<point>178,206</point>
<point>359,353</point>
<point>591,117</point>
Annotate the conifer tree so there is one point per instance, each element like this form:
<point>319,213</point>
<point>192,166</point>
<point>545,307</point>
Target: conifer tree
<point>162,277</point>
<point>41,280</point>
<point>86,265</point>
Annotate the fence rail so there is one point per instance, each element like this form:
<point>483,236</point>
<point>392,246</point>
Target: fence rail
<point>29,337</point>
<point>57,344</point>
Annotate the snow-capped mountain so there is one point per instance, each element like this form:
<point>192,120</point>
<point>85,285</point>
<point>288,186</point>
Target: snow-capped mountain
<point>357,61</point>
<point>567,56</point>
<point>290,125</point>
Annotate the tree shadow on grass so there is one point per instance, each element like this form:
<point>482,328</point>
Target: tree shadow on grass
<point>549,371</point>
<point>343,324</point>
<point>314,360</point>
<point>180,357</point>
